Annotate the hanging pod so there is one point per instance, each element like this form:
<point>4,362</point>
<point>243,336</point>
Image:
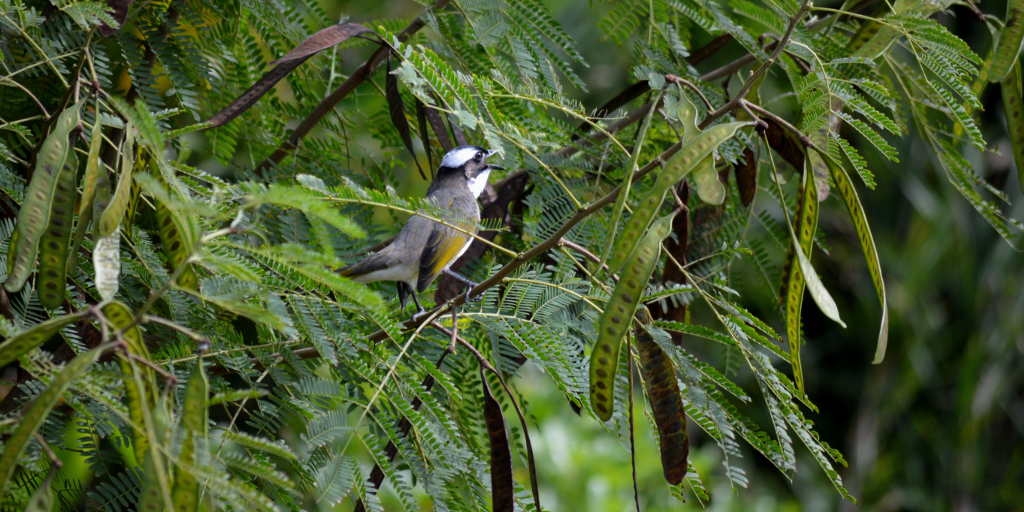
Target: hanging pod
<point>12,348</point>
<point>618,314</point>
<point>194,425</point>
<point>793,278</point>
<point>120,316</point>
<point>53,245</point>
<point>709,189</point>
<point>1009,44</point>
<point>666,403</point>
<point>1013,108</point>
<point>176,247</point>
<point>55,157</point>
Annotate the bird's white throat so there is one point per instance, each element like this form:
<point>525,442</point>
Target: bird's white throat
<point>479,183</point>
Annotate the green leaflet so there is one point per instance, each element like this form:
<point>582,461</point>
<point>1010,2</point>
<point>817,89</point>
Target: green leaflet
<point>620,200</point>
<point>709,189</point>
<point>695,151</point>
<point>194,424</point>
<point>55,156</point>
<point>53,245</point>
<point>793,279</point>
<point>1009,44</point>
<point>867,243</point>
<point>13,348</point>
<point>666,404</point>
<point>1013,108</point>
<point>114,212</point>
<point>619,313</point>
<point>36,413</point>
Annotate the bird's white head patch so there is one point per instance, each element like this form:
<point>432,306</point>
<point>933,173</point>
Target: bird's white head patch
<point>460,155</point>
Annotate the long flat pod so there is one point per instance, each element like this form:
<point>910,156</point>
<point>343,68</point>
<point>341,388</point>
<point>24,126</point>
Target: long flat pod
<point>793,277</point>
<point>13,348</point>
<point>54,244</point>
<point>867,243</point>
<point>666,404</point>
<point>35,414</point>
<point>1013,108</point>
<point>699,148</point>
<point>1010,40</point>
<point>176,247</point>
<point>93,166</point>
<point>618,314</point>
<point>120,316</point>
<point>55,156</point>
<point>709,189</point>
<point>194,425</point>
<point>114,212</point>
<point>502,484</point>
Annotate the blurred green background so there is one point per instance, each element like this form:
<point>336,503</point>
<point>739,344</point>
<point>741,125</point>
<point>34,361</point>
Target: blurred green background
<point>939,426</point>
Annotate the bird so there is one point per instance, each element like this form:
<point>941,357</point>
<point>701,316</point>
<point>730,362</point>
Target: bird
<point>425,248</point>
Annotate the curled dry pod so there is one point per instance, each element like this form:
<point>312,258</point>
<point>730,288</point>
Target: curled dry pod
<point>53,245</point>
<point>176,247</point>
<point>709,189</point>
<point>1013,107</point>
<point>36,413</point>
<point>667,406</point>
<point>12,348</point>
<point>618,314</point>
<point>55,155</point>
<point>792,277</point>
<point>194,424</point>
<point>106,259</point>
<point>1010,40</point>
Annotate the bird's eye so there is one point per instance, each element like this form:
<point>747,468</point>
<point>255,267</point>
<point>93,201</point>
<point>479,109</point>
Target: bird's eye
<point>479,155</point>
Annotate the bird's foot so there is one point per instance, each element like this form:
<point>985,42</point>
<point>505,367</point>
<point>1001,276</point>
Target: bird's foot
<point>418,314</point>
<point>469,286</point>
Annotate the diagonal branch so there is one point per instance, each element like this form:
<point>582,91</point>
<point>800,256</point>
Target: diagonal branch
<point>360,75</point>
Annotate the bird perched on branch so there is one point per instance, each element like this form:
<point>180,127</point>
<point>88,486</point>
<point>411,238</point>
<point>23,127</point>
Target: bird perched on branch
<point>425,248</point>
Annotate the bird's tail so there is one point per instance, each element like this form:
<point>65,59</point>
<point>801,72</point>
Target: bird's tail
<point>370,264</point>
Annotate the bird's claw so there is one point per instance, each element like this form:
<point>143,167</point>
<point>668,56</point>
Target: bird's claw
<point>470,298</point>
<point>418,314</point>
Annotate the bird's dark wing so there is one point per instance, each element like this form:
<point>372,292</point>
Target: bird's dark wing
<point>443,247</point>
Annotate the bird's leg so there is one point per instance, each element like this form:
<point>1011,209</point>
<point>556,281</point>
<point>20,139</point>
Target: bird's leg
<point>469,286</point>
<point>420,311</point>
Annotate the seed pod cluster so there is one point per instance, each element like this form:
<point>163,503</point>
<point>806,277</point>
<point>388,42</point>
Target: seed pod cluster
<point>194,423</point>
<point>55,157</point>
<point>699,148</point>
<point>1013,108</point>
<point>619,313</point>
<point>666,404</point>
<point>1010,41</point>
<point>53,245</point>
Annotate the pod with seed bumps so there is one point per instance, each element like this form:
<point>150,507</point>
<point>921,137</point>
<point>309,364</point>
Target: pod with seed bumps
<point>119,316</point>
<point>1013,107</point>
<point>1009,44</point>
<point>666,403</point>
<point>194,423</point>
<point>12,348</point>
<point>53,245</point>
<point>701,146</point>
<point>55,156</point>
<point>709,189</point>
<point>618,314</point>
<point>176,247</point>
<point>793,278</point>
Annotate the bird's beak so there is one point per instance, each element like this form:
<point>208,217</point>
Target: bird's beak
<point>490,153</point>
<point>492,167</point>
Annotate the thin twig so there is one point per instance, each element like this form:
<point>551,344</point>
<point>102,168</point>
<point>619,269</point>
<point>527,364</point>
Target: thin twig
<point>804,139</point>
<point>589,255</point>
<point>693,87</point>
<point>49,452</point>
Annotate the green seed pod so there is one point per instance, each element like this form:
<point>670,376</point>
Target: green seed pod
<point>111,217</point>
<point>119,316</point>
<point>150,497</point>
<point>53,245</point>
<point>666,404</point>
<point>1013,108</point>
<point>702,145</point>
<point>686,112</point>
<point>92,167</point>
<point>793,278</point>
<point>55,156</point>
<point>1009,44</point>
<point>709,189</point>
<point>176,247</point>
<point>11,245</point>
<point>866,32</point>
<point>618,314</point>
<point>12,348</point>
<point>194,423</point>
<point>36,412</point>
<point>42,499</point>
